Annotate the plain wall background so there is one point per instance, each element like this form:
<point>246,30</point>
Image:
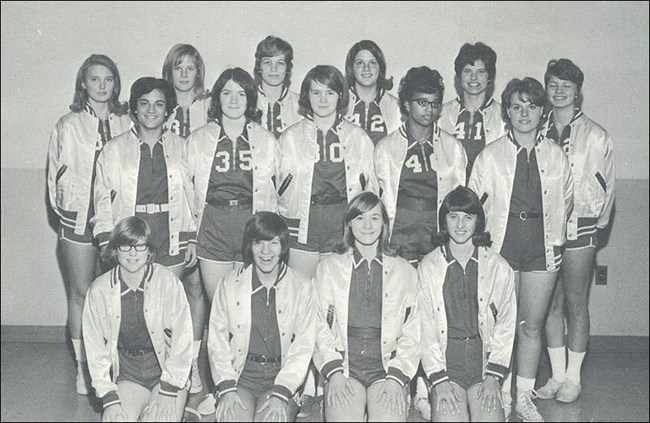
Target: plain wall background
<point>44,43</point>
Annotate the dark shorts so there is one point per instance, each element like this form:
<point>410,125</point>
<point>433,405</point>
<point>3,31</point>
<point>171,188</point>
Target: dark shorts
<point>221,233</point>
<point>258,377</point>
<point>583,241</point>
<point>365,361</point>
<point>325,228</point>
<point>412,231</point>
<point>465,361</point>
<point>159,225</point>
<point>523,244</point>
<point>141,368</point>
<point>66,229</point>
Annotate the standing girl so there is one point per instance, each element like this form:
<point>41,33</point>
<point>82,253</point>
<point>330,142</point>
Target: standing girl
<point>96,116</point>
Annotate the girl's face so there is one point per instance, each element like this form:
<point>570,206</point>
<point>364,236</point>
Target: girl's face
<point>367,226</point>
<point>233,100</point>
<point>461,226</point>
<point>99,83</point>
<point>366,69</point>
<point>427,114</point>
<point>323,100</point>
<point>151,109</point>
<point>524,115</point>
<point>266,254</point>
<point>273,70</point>
<point>184,75</point>
<point>561,93</point>
<point>474,78</point>
<point>132,258</point>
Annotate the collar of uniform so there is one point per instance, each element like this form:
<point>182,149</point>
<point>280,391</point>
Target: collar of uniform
<point>511,137</point>
<point>124,288</point>
<point>358,259</point>
<point>379,94</point>
<point>285,91</point>
<point>89,109</point>
<point>243,136</point>
<point>136,132</point>
<point>481,109</point>
<point>446,251</point>
<point>335,127</point>
<point>406,133</point>
<point>256,285</point>
<point>577,114</point>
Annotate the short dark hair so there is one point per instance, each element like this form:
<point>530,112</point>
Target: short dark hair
<point>462,199</point>
<point>528,89</point>
<point>383,83</point>
<point>244,80</point>
<point>129,231</point>
<point>566,70</point>
<point>269,47</point>
<point>147,84</point>
<point>419,80</point>
<point>264,226</point>
<point>362,203</point>
<point>328,76</point>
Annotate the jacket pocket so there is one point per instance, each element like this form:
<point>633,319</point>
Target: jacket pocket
<point>285,184</point>
<point>60,172</point>
<point>601,181</point>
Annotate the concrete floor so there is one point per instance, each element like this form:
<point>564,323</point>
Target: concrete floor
<point>38,385</point>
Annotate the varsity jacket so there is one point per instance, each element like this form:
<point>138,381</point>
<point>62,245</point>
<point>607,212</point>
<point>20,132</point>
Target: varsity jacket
<point>117,183</point>
<point>299,152</point>
<point>400,326</point>
<point>289,109</point>
<point>492,122</point>
<point>497,312</point>
<point>492,180</point>
<point>230,329</point>
<point>591,157</point>
<point>388,105</point>
<point>201,148</point>
<point>71,158</point>
<point>167,316</point>
<point>449,161</point>
<point>198,112</point>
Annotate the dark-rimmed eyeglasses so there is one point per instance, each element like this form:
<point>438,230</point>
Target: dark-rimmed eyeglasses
<point>424,103</point>
<point>139,248</point>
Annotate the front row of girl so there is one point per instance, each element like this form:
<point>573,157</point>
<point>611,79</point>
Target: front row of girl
<point>367,318</point>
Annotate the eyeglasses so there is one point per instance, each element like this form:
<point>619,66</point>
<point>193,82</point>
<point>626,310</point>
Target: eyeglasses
<point>139,248</point>
<point>424,103</point>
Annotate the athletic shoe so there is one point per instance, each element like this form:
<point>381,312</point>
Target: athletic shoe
<point>422,405</point>
<point>207,406</point>
<point>306,403</point>
<point>549,390</point>
<point>569,391</point>
<point>525,409</point>
<point>197,385</point>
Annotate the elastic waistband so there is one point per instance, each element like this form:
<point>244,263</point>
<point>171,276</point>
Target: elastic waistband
<point>327,199</point>
<point>415,204</point>
<point>364,333</point>
<point>525,215</point>
<point>226,204</point>
<point>142,351</point>
<point>263,359</point>
<point>467,338</point>
<point>152,208</point>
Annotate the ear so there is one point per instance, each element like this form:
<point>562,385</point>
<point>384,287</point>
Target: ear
<point>407,106</point>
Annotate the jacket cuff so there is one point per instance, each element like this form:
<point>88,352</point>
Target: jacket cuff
<point>226,386</point>
<point>331,368</point>
<point>439,377</point>
<point>109,399</point>
<point>397,375</point>
<point>102,238</point>
<point>168,389</point>
<point>282,393</point>
<point>496,370</point>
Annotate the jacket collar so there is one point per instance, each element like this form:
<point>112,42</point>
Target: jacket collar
<point>358,259</point>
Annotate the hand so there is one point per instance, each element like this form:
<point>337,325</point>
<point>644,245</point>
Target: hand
<point>340,391</point>
<point>114,413</point>
<point>447,398</point>
<point>276,410</point>
<point>226,407</point>
<point>392,394</point>
<point>490,394</point>
<point>190,255</point>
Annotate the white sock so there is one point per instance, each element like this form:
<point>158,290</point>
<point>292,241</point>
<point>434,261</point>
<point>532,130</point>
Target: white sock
<point>196,347</point>
<point>310,384</point>
<point>558,362</point>
<point>524,384</point>
<point>421,389</point>
<point>79,350</point>
<point>507,384</point>
<point>575,363</point>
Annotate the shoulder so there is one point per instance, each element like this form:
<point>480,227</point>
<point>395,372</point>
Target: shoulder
<point>433,257</point>
<point>451,106</point>
<point>162,273</point>
<point>259,133</point>
<point>335,260</point>
<point>396,137</point>
<point>401,265</point>
<point>493,257</point>
<point>593,127</point>
<point>71,119</point>
<point>390,99</point>
<point>101,284</point>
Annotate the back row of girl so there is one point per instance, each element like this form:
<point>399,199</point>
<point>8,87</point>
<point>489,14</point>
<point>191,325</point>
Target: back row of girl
<point>323,161</point>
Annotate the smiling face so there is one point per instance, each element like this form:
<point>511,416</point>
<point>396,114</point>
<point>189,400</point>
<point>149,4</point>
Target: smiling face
<point>184,75</point>
<point>266,255</point>
<point>132,261</point>
<point>561,93</point>
<point>99,84</point>
<point>461,226</point>
<point>151,109</point>
<point>366,69</point>
<point>273,70</point>
<point>323,100</point>
<point>474,78</point>
<point>233,100</point>
<point>367,226</point>
<point>524,115</point>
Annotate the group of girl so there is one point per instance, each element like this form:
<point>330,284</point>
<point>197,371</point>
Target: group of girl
<point>362,251</point>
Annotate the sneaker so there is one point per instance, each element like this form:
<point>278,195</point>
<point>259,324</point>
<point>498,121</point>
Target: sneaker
<point>197,385</point>
<point>506,402</point>
<point>306,403</point>
<point>191,415</point>
<point>549,390</point>
<point>422,405</point>
<point>569,391</point>
<point>208,405</point>
<point>525,409</point>
<point>83,378</point>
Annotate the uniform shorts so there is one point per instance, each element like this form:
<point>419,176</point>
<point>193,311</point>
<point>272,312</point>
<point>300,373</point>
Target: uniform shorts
<point>159,225</point>
<point>583,241</point>
<point>325,228</point>
<point>365,363</point>
<point>221,233</point>
<point>523,244</point>
<point>412,233</point>
<point>66,232</point>
<point>258,377</point>
<point>465,361</point>
<point>141,368</point>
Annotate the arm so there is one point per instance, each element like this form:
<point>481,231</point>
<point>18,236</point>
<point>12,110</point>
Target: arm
<point>53,164</point>
<point>567,179</point>
<point>219,353</point>
<point>103,197</point>
<point>610,183</point>
<point>503,335</point>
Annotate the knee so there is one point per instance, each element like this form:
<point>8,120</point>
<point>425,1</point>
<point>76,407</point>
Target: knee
<point>529,328</point>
